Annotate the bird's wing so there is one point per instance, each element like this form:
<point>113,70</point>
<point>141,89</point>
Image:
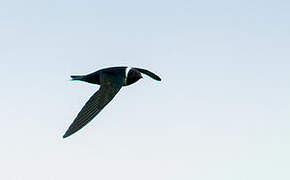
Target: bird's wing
<point>148,73</point>
<point>110,86</point>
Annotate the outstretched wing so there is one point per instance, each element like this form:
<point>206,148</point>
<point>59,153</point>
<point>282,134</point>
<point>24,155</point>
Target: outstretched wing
<point>110,86</point>
<point>148,73</point>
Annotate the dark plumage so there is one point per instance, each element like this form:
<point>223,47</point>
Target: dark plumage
<point>111,81</point>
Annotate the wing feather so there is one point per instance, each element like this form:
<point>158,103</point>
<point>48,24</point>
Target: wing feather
<point>110,86</point>
<point>148,73</point>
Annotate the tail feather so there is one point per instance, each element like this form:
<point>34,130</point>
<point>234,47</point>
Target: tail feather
<point>76,77</point>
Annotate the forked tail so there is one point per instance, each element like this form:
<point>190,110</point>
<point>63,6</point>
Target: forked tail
<point>76,77</point>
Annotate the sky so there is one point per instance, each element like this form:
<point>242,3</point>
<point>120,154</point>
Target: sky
<point>220,112</point>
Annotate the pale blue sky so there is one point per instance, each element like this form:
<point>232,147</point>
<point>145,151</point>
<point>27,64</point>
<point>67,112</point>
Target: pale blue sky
<point>221,112</point>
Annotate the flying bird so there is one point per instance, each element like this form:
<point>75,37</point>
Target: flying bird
<point>111,80</point>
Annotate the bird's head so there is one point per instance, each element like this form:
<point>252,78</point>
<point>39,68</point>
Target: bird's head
<point>133,76</point>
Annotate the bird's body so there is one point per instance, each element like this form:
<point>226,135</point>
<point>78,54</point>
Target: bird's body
<point>131,75</point>
<point>111,81</point>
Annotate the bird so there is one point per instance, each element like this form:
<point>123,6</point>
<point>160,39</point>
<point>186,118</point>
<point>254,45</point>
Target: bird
<point>111,80</point>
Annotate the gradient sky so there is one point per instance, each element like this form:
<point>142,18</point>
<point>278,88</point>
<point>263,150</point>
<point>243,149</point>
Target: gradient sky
<point>222,110</point>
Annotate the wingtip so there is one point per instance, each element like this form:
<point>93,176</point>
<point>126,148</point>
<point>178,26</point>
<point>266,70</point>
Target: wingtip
<point>157,78</point>
<point>149,73</point>
<point>66,135</point>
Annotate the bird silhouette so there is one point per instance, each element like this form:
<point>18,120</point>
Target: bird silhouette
<point>111,81</point>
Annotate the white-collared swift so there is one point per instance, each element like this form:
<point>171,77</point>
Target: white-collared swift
<point>111,81</point>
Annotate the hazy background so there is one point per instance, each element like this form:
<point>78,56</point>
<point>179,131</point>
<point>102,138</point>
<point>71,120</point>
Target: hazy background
<point>221,112</point>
